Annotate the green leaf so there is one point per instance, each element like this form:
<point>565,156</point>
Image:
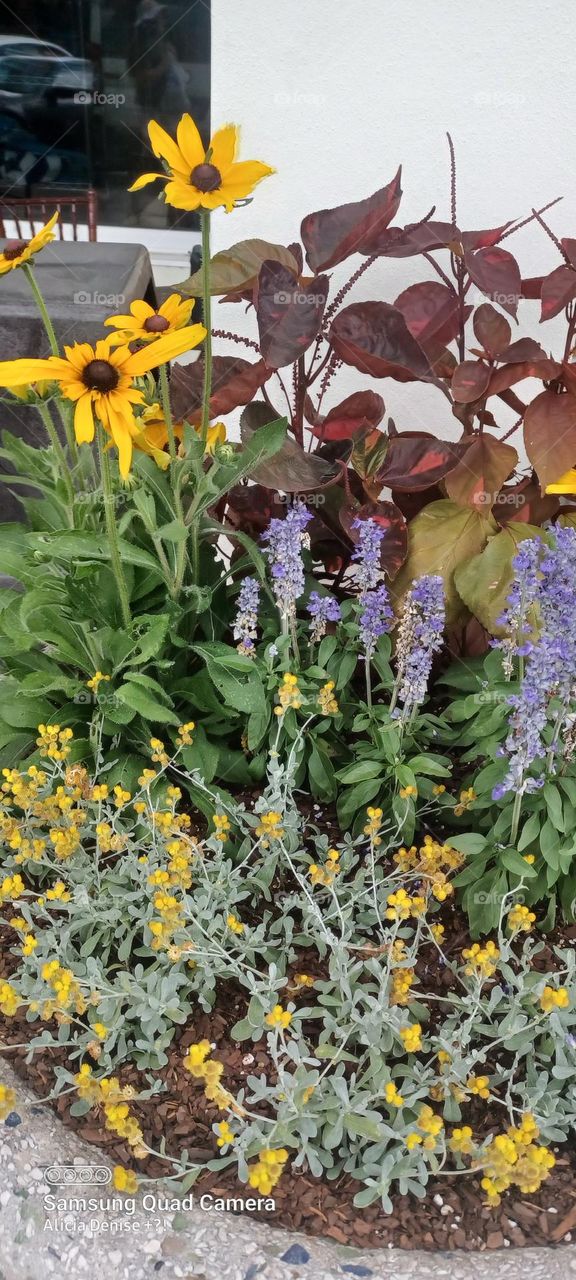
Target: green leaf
<point>442,537</point>
<point>360,771</point>
<point>139,700</point>
<point>468,843</point>
<point>80,545</point>
<point>263,444</point>
<point>484,581</point>
<point>554,805</point>
<point>514,861</point>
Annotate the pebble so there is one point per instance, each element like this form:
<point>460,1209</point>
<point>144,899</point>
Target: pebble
<point>438,1200</point>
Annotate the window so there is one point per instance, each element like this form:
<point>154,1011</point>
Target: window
<point>74,113</point>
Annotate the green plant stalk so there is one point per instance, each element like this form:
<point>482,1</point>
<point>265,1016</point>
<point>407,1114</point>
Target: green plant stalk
<point>115,558</point>
<point>368,682</point>
<point>55,349</point>
<point>59,454</point>
<point>516,816</point>
<point>181,546</point>
<point>207,318</point>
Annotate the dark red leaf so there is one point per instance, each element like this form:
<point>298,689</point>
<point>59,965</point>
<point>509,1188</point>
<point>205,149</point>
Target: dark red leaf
<point>404,242</point>
<point>296,251</point>
<point>492,329</point>
<point>469,381</point>
<point>569,247</point>
<point>291,469</point>
<point>478,477</point>
<point>415,460</point>
<point>250,508</point>
<point>509,374</point>
<point>234,382</point>
<point>331,235</point>
<point>558,289</point>
<point>523,503</point>
<point>394,546</point>
<point>484,239</point>
<point>289,313</point>
<point>497,274</point>
<point>411,502</point>
<point>363,409</point>
<point>431,311</point>
<point>523,349</point>
<point>374,338</point>
<point>531,287</point>
<point>550,435</point>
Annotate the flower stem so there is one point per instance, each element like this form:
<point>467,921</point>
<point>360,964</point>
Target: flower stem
<point>39,299</point>
<point>207,319</point>
<point>167,411</point>
<point>368,681</point>
<point>516,816</point>
<point>59,455</point>
<point>115,559</point>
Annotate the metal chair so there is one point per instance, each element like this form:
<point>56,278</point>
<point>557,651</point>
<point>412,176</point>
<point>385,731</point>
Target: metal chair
<point>75,211</point>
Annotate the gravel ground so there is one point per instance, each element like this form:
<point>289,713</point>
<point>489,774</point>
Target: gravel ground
<point>38,1242</point>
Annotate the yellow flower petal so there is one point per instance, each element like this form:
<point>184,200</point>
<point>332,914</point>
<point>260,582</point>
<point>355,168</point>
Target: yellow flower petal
<point>566,483</point>
<point>145,179</point>
<point>223,147</point>
<point>166,149</point>
<point>165,348</point>
<point>14,373</point>
<point>190,142</point>
<point>84,419</point>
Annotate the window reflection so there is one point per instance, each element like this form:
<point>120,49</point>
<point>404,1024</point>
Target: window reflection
<point>79,80</point>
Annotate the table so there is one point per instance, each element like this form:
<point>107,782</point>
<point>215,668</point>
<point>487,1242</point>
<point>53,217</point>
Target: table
<point>82,283</point>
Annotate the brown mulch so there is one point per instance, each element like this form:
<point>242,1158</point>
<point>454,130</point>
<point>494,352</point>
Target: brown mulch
<point>451,1216</point>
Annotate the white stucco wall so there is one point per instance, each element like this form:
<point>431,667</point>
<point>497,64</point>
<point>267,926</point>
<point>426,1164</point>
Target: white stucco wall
<point>337,93</point>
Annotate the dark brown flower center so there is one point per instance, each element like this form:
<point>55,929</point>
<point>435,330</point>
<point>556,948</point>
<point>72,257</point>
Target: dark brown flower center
<point>156,324</point>
<point>206,177</point>
<point>14,249</point>
<point>100,375</point>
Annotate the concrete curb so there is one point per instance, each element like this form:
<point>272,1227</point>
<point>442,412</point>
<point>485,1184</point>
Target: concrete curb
<point>38,1242</point>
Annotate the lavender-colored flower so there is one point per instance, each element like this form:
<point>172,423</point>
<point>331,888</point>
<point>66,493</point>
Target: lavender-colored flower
<point>322,609</point>
<point>419,638</point>
<point>367,553</point>
<point>375,619</point>
<point>246,620</point>
<point>285,539</point>
<point>523,594</point>
<point>550,670</point>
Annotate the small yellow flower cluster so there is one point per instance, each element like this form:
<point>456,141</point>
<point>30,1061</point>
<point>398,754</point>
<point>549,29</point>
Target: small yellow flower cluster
<point>58,892</point>
<point>411,1037</point>
<point>279,1018</point>
<point>393,1098</point>
<point>402,980</point>
<point>325,875</point>
<point>222,824</point>
<point>401,906</point>
<point>109,841</point>
<point>520,919</point>
<point>408,793</point>
<point>96,680</point>
<point>159,753</point>
<point>67,992</point>
<point>479,1085</point>
<point>289,694</point>
<point>268,1170</point>
<point>430,1125</point>
<point>467,799</point>
<point>552,999</point>
<point>198,1063</point>
<point>515,1159</point>
<point>23,788</point>
<point>11,888</point>
<point>481,962</point>
<point>124,1180</point>
<point>433,862</point>
<point>113,1097</point>
<point>121,797</point>
<point>54,741</point>
<point>234,924</point>
<point>303,980</point>
<point>326,700</point>
<point>269,828</point>
<point>170,911</point>
<point>7,1101</point>
<point>184,735</point>
<point>373,825</point>
<point>66,840</point>
<point>9,999</point>
<point>462,1141</point>
<point>225,1134</point>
